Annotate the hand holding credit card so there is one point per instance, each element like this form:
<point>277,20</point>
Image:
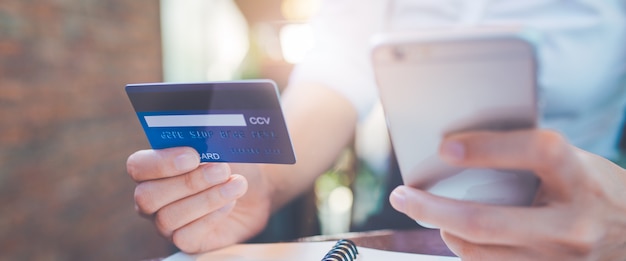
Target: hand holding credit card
<point>237,121</point>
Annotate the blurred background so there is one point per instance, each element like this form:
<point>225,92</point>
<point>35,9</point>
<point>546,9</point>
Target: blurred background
<point>66,126</point>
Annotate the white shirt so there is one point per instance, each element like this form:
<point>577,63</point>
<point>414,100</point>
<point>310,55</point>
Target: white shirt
<point>581,53</point>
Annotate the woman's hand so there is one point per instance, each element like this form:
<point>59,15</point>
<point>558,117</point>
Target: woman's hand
<point>199,207</point>
<point>579,212</point>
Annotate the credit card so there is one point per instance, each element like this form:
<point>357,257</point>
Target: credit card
<point>238,121</point>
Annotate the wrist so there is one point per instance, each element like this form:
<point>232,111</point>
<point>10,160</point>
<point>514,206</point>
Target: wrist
<point>271,186</point>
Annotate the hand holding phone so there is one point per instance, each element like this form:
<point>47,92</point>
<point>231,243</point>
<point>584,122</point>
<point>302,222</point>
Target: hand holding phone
<point>435,85</point>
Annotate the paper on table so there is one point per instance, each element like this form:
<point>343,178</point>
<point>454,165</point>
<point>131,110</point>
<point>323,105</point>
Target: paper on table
<point>304,251</point>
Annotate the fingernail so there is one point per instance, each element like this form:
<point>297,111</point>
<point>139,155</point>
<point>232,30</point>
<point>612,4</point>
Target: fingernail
<point>233,189</point>
<point>398,199</point>
<point>453,150</point>
<point>216,173</point>
<point>186,162</point>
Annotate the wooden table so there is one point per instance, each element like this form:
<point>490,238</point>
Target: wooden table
<point>419,241</point>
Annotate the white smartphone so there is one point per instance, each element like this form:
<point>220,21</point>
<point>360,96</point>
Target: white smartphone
<point>434,85</point>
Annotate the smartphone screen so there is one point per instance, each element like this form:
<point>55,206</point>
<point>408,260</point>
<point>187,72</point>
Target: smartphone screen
<point>430,89</point>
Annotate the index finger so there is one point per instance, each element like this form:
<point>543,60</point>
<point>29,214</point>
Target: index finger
<point>156,164</point>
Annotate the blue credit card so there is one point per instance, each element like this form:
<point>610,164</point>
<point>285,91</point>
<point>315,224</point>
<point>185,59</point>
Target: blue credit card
<point>238,121</point>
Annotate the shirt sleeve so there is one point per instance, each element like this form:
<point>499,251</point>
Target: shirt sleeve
<point>340,59</point>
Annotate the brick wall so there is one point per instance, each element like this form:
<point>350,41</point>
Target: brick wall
<point>66,128</point>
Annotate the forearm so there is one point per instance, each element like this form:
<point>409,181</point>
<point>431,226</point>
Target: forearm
<point>321,123</point>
